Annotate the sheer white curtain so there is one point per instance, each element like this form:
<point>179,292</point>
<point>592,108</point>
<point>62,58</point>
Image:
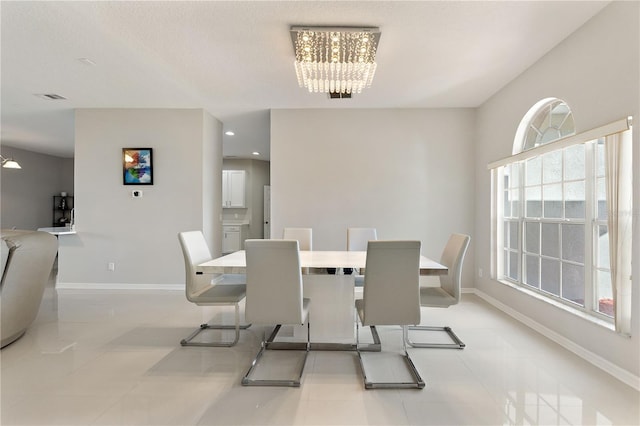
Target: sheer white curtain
<point>618,166</point>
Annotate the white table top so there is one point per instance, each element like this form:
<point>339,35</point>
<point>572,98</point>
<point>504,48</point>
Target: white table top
<point>58,230</point>
<point>235,263</point>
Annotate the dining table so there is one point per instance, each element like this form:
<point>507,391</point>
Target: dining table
<point>332,295</point>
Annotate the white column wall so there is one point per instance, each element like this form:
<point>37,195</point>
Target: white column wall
<point>140,234</point>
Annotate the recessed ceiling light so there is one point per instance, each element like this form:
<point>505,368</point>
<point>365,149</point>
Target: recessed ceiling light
<point>255,153</point>
<point>229,133</point>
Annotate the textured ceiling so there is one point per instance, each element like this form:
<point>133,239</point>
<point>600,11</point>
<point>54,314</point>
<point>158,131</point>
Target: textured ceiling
<point>235,60</point>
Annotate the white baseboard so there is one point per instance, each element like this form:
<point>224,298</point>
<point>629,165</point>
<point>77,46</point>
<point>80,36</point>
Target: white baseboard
<point>617,372</point>
<point>118,286</point>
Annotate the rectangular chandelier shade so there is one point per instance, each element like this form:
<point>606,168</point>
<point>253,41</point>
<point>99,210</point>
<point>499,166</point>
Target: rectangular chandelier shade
<point>335,59</point>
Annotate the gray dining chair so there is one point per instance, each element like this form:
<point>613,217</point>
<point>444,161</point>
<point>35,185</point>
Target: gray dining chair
<point>357,239</point>
<point>391,297</point>
<point>448,293</point>
<point>275,298</point>
<point>208,290</point>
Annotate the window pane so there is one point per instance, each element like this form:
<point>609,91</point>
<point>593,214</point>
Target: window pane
<point>602,199</point>
<point>507,204</point>
<point>513,235</point>
<point>552,167</point>
<point>532,237</point>
<point>513,265</point>
<point>533,171</point>
<point>514,180</point>
<point>603,247</point>
<point>574,162</point>
<point>532,265</point>
<point>552,199</point>
<point>506,263</point>
<point>604,294</point>
<point>574,200</point>
<point>573,283</point>
<point>551,239</point>
<point>600,157</point>
<point>550,276</point>
<point>573,243</point>
<point>533,198</point>
<point>505,233</point>
<point>515,202</point>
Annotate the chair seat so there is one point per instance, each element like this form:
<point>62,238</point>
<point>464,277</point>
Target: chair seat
<point>221,294</point>
<point>435,297</point>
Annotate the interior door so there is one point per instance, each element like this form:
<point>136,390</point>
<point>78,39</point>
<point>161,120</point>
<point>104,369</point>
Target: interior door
<point>267,212</point>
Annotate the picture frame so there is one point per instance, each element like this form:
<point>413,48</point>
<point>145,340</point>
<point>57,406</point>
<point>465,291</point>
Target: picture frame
<point>137,166</point>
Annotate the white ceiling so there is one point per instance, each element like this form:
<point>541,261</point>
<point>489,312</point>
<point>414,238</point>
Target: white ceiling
<point>235,59</point>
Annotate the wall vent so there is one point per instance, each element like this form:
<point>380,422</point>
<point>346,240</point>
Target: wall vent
<point>50,96</point>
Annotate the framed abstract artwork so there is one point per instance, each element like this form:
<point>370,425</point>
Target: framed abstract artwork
<point>137,166</point>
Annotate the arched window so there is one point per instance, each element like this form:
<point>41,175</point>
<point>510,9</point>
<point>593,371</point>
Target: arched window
<point>548,120</point>
<point>552,231</point>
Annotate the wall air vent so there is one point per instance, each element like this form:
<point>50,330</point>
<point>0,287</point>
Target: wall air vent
<point>334,95</point>
<point>50,96</point>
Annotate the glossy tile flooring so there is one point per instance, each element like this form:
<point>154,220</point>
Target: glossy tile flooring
<point>113,358</point>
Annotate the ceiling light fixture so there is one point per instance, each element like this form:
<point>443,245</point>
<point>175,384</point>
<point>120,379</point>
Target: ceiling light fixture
<point>335,59</point>
<point>229,133</point>
<point>9,163</point>
<point>255,153</point>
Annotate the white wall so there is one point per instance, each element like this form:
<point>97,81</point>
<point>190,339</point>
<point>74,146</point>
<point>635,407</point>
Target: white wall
<point>140,235</point>
<point>406,172</point>
<point>27,193</point>
<point>596,71</point>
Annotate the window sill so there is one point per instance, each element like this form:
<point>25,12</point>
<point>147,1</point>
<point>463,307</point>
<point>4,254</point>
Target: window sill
<point>577,312</point>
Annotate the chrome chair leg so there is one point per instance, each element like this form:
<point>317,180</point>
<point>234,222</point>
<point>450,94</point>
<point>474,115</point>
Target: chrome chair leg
<point>264,346</point>
<point>417,382</point>
<point>237,327</point>
<point>457,343</point>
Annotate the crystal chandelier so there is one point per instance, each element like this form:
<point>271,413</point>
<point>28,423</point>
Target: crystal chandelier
<point>335,59</point>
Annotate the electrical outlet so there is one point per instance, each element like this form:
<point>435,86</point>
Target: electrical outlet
<point>480,272</point>
<point>136,193</point>
<point>111,266</point>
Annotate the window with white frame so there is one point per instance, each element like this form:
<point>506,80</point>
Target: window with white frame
<point>552,220</point>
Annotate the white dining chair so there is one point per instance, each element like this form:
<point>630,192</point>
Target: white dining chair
<point>304,236</point>
<point>357,240</point>
<point>274,297</point>
<point>448,293</point>
<point>391,297</point>
<point>201,289</point>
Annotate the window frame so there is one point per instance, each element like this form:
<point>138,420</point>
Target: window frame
<point>592,221</point>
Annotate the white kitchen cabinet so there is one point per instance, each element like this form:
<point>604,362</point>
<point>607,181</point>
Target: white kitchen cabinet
<point>233,237</point>
<point>233,188</point>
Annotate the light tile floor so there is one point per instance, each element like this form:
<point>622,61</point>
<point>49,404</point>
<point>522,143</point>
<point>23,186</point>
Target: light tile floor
<point>114,358</point>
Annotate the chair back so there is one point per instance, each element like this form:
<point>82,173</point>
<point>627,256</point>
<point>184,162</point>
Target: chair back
<point>195,251</point>
<point>392,283</point>
<point>303,235</point>
<point>274,282</point>
<point>453,257</point>
<point>357,238</point>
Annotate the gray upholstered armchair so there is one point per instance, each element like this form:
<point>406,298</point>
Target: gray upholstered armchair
<point>27,258</point>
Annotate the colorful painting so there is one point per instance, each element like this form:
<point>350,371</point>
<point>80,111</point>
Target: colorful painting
<point>137,166</point>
